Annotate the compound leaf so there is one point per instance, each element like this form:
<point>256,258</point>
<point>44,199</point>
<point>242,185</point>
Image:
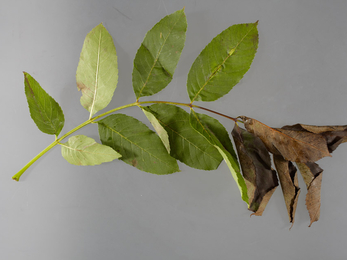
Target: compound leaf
<point>97,71</point>
<point>223,63</point>
<point>83,150</point>
<point>138,145</point>
<point>44,110</point>
<point>187,145</point>
<point>156,60</point>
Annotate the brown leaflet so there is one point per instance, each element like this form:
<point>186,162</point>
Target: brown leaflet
<point>334,135</point>
<point>296,146</point>
<point>289,184</point>
<point>312,175</point>
<point>260,178</point>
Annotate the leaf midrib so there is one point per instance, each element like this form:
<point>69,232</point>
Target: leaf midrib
<point>96,76</point>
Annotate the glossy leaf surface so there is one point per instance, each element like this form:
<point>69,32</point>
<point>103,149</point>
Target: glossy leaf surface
<point>156,60</point>
<point>97,71</point>
<point>187,145</point>
<point>223,63</point>
<point>260,178</point>
<point>216,134</point>
<point>138,145</point>
<point>83,150</point>
<point>44,110</point>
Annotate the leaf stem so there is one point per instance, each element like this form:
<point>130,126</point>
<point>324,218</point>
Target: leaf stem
<point>93,120</point>
<point>220,114</point>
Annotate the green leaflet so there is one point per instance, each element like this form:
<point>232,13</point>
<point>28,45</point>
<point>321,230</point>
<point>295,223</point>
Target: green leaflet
<point>156,60</point>
<point>97,71</point>
<point>158,128</point>
<point>138,145</point>
<point>223,62</point>
<point>44,110</point>
<point>187,145</point>
<point>83,150</point>
<point>216,134</point>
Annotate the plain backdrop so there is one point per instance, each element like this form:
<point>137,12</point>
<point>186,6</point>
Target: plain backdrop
<point>113,211</point>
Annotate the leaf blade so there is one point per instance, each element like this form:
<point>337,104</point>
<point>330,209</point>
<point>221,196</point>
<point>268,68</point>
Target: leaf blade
<point>312,175</point>
<point>44,110</point>
<point>334,135</point>
<point>83,150</point>
<point>97,71</point>
<point>287,174</point>
<point>305,146</point>
<point>156,59</point>
<point>216,134</point>
<point>158,128</point>
<point>187,145</point>
<point>138,145</point>
<point>222,63</point>
<point>261,179</point>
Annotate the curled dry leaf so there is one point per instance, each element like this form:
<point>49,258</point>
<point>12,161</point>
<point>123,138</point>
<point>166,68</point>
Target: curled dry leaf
<point>289,183</point>
<point>260,178</point>
<point>334,135</point>
<point>296,146</point>
<point>312,175</point>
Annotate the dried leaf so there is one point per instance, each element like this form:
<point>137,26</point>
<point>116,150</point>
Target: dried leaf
<point>296,146</point>
<point>334,135</point>
<point>223,62</point>
<point>261,179</point>
<point>287,174</point>
<point>312,175</point>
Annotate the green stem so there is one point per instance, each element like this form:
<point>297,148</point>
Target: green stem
<point>93,119</point>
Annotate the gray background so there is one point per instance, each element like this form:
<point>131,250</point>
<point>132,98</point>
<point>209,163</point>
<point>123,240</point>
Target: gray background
<point>114,211</point>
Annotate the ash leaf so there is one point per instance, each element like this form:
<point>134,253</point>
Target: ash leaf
<point>334,135</point>
<point>312,175</point>
<point>260,178</point>
<point>295,146</point>
<point>287,174</point>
